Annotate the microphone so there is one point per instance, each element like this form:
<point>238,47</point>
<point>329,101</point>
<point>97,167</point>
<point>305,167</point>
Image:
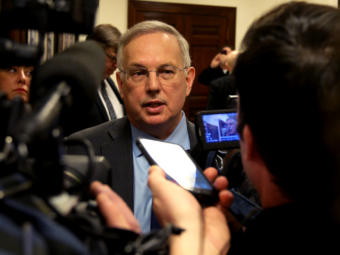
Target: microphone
<point>16,54</point>
<point>70,79</point>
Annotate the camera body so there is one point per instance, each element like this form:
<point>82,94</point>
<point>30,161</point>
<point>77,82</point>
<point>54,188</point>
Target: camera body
<point>65,16</point>
<point>217,132</point>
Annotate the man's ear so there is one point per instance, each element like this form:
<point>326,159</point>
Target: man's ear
<point>190,79</point>
<point>249,146</point>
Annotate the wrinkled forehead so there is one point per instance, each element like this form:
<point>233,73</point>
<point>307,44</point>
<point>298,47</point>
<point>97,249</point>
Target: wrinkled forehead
<point>153,47</point>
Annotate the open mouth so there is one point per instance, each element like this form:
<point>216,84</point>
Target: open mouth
<point>154,107</point>
<point>153,104</point>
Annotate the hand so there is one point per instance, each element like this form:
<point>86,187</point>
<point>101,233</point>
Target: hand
<point>112,207</point>
<point>216,230</point>
<point>223,64</point>
<point>172,204</point>
<point>215,62</point>
<point>220,59</point>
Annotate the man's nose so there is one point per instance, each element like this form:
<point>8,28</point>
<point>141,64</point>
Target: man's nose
<point>152,82</point>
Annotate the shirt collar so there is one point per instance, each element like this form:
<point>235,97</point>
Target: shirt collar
<point>178,136</point>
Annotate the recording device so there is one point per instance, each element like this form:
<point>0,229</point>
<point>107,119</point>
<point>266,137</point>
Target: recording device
<point>35,170</point>
<point>179,167</point>
<point>217,129</point>
<point>16,54</point>
<point>72,16</point>
<point>243,209</point>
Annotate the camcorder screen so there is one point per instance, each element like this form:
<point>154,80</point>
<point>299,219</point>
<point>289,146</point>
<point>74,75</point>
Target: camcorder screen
<point>218,129</point>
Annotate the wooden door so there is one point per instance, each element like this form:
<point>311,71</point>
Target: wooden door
<point>207,29</point>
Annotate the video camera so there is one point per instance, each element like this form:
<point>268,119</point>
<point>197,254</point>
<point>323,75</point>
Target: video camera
<point>218,136</point>
<point>59,16</point>
<point>33,159</point>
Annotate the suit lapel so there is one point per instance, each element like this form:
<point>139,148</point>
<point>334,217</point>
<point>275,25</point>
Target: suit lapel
<point>115,90</point>
<point>101,108</point>
<point>119,153</point>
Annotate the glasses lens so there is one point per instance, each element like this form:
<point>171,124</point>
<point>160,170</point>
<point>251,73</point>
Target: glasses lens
<point>137,75</point>
<point>167,72</point>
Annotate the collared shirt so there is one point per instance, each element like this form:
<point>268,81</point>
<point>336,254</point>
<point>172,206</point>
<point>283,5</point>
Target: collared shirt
<point>142,193</point>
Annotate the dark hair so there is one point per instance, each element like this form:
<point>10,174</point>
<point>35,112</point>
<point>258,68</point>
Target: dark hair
<point>106,35</point>
<point>288,78</point>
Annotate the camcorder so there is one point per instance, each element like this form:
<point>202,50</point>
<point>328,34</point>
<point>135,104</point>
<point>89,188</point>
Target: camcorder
<point>217,132</point>
<point>33,160</point>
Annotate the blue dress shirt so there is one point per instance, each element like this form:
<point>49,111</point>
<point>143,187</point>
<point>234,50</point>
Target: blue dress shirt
<point>142,193</point>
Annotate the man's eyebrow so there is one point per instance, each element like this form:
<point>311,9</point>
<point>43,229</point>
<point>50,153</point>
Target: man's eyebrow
<point>136,65</point>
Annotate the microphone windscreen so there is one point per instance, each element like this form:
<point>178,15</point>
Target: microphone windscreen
<point>81,66</point>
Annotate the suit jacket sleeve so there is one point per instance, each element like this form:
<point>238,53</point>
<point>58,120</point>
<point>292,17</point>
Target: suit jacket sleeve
<point>209,74</point>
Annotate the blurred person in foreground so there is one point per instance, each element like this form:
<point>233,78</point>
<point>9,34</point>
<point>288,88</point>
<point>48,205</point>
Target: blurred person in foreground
<point>293,74</point>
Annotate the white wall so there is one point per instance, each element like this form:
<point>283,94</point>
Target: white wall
<point>115,11</point>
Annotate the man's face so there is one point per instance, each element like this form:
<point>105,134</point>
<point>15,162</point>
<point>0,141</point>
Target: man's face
<point>231,127</point>
<point>110,62</point>
<point>16,81</point>
<point>154,103</point>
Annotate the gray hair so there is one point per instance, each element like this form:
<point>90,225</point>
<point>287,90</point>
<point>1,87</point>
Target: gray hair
<point>151,26</point>
<point>106,35</point>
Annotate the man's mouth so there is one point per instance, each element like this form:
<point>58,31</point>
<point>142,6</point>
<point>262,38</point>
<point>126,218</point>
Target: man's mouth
<point>154,107</point>
<point>153,104</point>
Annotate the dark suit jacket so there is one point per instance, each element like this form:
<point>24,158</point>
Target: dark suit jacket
<point>94,116</point>
<point>113,140</point>
<point>209,74</point>
<point>219,91</point>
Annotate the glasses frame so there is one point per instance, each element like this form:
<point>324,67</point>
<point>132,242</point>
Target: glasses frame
<point>111,57</point>
<point>128,76</point>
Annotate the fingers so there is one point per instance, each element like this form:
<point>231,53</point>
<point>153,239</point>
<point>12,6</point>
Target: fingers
<point>226,199</point>
<point>114,210</point>
<point>220,183</point>
<point>211,174</point>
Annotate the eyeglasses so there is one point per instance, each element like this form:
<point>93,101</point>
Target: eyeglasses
<point>111,57</point>
<point>140,74</point>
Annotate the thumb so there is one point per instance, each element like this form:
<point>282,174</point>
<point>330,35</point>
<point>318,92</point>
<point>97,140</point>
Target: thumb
<point>156,176</point>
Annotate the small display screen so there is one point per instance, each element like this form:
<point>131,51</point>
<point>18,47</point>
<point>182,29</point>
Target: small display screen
<point>218,129</point>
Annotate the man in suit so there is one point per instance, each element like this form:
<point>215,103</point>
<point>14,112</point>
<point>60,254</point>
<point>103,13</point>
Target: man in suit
<point>222,90</point>
<point>216,69</point>
<point>155,76</point>
<point>109,104</point>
